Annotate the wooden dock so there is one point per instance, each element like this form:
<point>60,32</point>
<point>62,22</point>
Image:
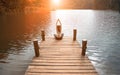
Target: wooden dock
<point>60,57</point>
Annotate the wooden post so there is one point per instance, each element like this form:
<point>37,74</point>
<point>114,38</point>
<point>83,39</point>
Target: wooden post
<point>36,48</point>
<point>84,47</point>
<point>43,35</point>
<point>74,34</point>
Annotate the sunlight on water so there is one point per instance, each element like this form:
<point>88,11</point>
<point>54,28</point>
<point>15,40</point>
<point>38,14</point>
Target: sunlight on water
<point>72,19</point>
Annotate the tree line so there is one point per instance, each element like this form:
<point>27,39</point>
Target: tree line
<point>20,5</point>
<point>107,4</point>
<point>7,5</point>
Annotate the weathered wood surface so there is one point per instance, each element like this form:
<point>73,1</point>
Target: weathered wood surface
<point>60,57</point>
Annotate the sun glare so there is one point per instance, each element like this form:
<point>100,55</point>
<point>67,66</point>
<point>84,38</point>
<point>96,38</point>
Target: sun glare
<point>56,2</point>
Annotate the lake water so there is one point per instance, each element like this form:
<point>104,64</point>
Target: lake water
<point>100,27</point>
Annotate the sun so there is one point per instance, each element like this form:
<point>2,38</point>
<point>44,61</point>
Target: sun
<point>56,2</point>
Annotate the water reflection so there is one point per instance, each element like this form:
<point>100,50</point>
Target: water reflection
<point>17,33</point>
<point>21,28</point>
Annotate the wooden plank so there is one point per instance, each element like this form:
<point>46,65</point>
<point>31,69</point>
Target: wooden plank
<point>62,67</point>
<point>60,57</point>
<point>61,64</point>
<point>60,61</point>
<point>61,74</point>
<point>64,56</point>
<point>37,70</point>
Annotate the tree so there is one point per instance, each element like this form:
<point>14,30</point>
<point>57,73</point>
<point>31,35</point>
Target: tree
<point>107,4</point>
<point>12,5</point>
